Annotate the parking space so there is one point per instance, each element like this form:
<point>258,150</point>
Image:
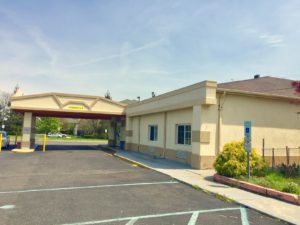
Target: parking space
<point>93,187</point>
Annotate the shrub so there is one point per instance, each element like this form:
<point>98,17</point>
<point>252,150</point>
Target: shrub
<point>289,170</point>
<point>232,161</point>
<point>291,187</point>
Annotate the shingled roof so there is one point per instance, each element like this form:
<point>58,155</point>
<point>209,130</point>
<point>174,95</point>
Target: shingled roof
<point>264,85</point>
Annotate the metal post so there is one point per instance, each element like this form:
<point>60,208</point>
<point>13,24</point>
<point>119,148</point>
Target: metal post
<point>16,139</point>
<point>273,158</point>
<point>263,149</point>
<point>287,155</point>
<point>248,165</point>
<point>0,142</point>
<point>44,144</point>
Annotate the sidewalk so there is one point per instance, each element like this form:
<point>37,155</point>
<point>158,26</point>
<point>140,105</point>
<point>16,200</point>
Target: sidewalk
<point>204,179</point>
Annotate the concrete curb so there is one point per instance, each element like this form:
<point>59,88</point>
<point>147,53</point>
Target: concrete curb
<point>22,150</point>
<point>217,195</point>
<point>181,181</point>
<point>290,198</point>
<point>133,162</point>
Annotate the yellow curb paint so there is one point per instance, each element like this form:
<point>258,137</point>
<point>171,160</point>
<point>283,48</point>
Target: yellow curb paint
<point>0,142</point>
<point>44,143</point>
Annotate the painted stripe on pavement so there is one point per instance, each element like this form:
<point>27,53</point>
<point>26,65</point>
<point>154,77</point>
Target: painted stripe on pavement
<point>132,222</point>
<point>193,218</point>
<point>89,187</point>
<point>7,207</point>
<point>244,216</point>
<point>151,216</point>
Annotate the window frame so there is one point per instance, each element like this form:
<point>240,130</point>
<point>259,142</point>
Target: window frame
<point>185,125</point>
<point>155,126</point>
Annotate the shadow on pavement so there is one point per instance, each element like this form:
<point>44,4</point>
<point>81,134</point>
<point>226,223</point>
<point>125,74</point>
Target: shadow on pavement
<point>73,147</point>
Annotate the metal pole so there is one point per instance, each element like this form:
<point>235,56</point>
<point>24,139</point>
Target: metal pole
<point>0,142</point>
<point>248,164</point>
<point>287,155</point>
<point>263,148</point>
<point>273,158</point>
<point>16,139</point>
<point>44,144</point>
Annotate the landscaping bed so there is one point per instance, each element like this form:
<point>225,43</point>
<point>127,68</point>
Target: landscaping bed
<point>288,197</point>
<point>282,181</point>
<point>276,181</point>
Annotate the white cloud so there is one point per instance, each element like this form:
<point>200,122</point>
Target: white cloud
<point>149,45</point>
<point>273,40</point>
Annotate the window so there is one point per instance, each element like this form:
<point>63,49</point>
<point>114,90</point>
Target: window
<point>183,134</point>
<point>153,132</point>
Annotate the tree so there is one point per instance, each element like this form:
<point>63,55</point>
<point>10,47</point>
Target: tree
<point>296,85</point>
<point>48,124</point>
<point>107,95</point>
<point>94,128</point>
<point>4,107</point>
<point>14,123</point>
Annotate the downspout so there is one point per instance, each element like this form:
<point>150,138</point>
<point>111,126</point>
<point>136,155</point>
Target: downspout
<point>139,137</point>
<point>220,107</point>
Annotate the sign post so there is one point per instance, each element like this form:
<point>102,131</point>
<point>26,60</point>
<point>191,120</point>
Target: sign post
<point>247,143</point>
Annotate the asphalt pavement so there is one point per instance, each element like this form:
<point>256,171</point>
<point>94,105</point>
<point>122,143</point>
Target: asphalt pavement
<point>81,184</point>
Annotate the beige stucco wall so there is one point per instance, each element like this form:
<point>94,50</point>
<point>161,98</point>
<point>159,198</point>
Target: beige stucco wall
<point>206,121</point>
<point>199,93</point>
<point>152,119</point>
<point>40,102</point>
<point>66,99</point>
<point>182,116</point>
<point>274,120</point>
<point>135,130</point>
<point>106,106</point>
<point>67,103</point>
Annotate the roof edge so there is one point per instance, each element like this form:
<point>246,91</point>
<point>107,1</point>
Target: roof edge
<point>66,95</point>
<point>258,94</point>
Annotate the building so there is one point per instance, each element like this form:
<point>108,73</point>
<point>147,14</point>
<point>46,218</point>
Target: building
<point>192,124</point>
<point>189,125</point>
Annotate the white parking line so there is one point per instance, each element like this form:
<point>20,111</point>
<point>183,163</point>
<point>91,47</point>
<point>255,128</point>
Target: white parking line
<point>244,216</point>
<point>193,218</point>
<point>131,222</point>
<point>89,187</point>
<point>135,218</point>
<point>7,207</point>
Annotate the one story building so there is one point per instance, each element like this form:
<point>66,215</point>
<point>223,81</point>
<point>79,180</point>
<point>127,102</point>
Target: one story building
<point>189,125</point>
<point>192,124</point>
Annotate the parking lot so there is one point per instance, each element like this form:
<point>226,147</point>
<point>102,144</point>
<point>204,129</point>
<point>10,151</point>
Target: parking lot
<point>72,186</point>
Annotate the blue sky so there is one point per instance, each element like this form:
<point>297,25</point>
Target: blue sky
<point>135,47</point>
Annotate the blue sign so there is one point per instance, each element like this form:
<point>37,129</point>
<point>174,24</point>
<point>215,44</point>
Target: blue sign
<point>247,135</point>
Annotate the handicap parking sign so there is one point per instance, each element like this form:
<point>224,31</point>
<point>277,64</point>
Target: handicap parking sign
<point>247,135</point>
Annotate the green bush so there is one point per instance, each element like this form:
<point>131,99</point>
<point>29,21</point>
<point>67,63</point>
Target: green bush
<point>291,187</point>
<point>289,170</point>
<point>232,161</point>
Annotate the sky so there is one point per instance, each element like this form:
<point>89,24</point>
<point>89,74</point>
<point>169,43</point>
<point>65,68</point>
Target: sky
<point>133,48</point>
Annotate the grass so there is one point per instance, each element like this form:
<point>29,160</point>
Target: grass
<point>277,181</point>
<point>39,137</point>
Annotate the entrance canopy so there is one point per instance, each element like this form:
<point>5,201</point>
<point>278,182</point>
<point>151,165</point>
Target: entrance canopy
<point>68,106</point>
